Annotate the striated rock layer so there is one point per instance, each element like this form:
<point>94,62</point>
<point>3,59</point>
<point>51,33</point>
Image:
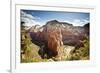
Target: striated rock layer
<point>55,34</point>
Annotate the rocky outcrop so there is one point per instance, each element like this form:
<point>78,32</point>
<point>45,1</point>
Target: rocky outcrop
<point>55,34</point>
<point>65,53</point>
<point>71,35</point>
<point>54,40</point>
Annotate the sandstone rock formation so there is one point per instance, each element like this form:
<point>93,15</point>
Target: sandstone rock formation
<point>54,40</point>
<point>55,34</point>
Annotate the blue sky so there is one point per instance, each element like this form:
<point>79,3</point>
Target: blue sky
<point>33,17</point>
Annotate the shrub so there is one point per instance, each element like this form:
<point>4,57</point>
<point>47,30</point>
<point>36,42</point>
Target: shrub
<point>82,52</point>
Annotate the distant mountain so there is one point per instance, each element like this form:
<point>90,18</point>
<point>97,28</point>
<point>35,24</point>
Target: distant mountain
<point>87,28</point>
<point>59,32</point>
<point>57,24</point>
<point>70,33</point>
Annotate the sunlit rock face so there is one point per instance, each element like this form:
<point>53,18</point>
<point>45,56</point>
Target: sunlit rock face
<point>71,35</point>
<point>55,34</point>
<point>54,39</point>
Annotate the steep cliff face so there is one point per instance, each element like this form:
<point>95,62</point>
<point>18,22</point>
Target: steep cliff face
<point>54,40</point>
<point>71,35</point>
<point>54,34</point>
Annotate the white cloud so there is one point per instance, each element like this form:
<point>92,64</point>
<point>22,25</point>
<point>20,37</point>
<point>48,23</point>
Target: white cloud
<point>29,19</point>
<point>78,22</point>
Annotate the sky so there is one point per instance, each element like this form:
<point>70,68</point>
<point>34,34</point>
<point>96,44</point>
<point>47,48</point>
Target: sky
<point>33,17</point>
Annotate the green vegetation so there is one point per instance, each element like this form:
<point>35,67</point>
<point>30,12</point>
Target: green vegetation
<point>82,53</point>
<point>29,50</point>
<point>25,46</point>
